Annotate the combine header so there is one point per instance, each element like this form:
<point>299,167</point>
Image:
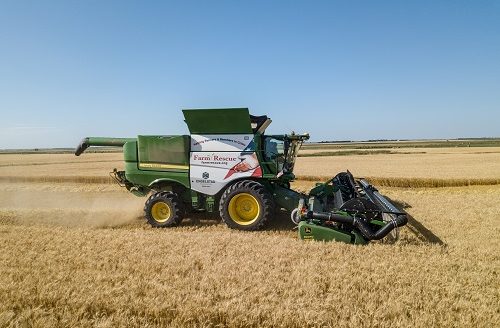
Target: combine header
<point>228,165</point>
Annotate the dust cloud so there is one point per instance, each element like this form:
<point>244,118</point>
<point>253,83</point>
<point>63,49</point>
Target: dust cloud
<point>70,209</point>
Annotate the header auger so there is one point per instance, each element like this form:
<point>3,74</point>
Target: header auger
<point>228,165</point>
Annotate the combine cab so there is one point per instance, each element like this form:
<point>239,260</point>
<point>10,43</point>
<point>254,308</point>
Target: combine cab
<point>230,166</point>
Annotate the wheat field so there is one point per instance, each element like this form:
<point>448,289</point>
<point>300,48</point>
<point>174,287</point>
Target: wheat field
<point>75,253</point>
<point>434,163</point>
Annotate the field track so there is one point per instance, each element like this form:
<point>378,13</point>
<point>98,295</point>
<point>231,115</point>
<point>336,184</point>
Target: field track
<point>381,182</point>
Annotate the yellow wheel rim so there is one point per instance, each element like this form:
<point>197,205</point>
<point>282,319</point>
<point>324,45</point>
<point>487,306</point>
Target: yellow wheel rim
<point>244,209</point>
<point>161,212</point>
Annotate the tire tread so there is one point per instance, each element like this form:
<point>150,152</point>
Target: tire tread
<point>257,189</point>
<point>176,208</point>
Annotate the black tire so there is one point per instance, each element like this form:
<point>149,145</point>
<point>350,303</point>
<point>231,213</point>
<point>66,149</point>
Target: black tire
<point>237,205</point>
<point>163,209</point>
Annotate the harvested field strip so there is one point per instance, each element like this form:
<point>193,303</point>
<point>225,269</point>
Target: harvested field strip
<point>58,179</point>
<point>55,163</point>
<point>415,182</point>
<point>430,183</point>
<point>58,151</point>
<point>357,152</point>
<point>377,181</point>
<point>406,144</point>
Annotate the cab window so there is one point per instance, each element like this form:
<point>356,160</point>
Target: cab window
<point>274,151</point>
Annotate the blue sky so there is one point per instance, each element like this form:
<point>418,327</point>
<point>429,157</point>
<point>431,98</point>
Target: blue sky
<point>336,69</point>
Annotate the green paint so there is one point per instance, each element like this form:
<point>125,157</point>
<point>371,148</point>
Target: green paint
<point>284,197</point>
<point>130,151</point>
<point>218,121</point>
<point>378,223</point>
<point>322,189</point>
<point>310,231</point>
<point>194,199</point>
<point>358,238</point>
<point>165,150</point>
<point>210,204</point>
<point>146,178</point>
<point>110,142</point>
<point>315,231</point>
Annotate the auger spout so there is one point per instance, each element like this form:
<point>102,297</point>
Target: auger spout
<point>100,141</point>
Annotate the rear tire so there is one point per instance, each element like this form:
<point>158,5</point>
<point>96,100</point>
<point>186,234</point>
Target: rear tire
<point>163,209</point>
<point>246,205</point>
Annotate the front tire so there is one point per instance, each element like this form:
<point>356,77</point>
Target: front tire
<point>163,209</point>
<point>246,205</point>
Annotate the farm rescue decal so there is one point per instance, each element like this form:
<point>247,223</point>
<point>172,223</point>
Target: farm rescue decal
<point>216,160</point>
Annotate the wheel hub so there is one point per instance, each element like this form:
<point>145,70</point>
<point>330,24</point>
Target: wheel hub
<point>161,211</point>
<point>244,209</point>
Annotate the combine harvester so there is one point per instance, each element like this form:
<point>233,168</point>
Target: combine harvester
<point>229,165</point>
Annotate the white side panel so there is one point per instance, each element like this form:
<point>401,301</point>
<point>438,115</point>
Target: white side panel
<point>222,142</point>
<point>212,171</point>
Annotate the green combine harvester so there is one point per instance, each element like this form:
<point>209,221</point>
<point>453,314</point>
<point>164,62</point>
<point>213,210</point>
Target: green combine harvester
<point>228,165</point>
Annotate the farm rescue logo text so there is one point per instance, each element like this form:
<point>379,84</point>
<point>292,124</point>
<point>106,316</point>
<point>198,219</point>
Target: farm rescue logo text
<point>213,158</point>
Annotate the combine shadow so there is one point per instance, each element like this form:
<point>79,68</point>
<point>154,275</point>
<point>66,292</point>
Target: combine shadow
<point>420,231</point>
<point>200,220</point>
<point>279,222</point>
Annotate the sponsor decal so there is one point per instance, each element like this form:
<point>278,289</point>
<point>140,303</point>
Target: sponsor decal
<point>203,181</point>
<point>211,159</point>
<point>220,139</point>
<point>257,172</point>
<point>248,162</point>
<point>222,142</point>
<point>212,171</point>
